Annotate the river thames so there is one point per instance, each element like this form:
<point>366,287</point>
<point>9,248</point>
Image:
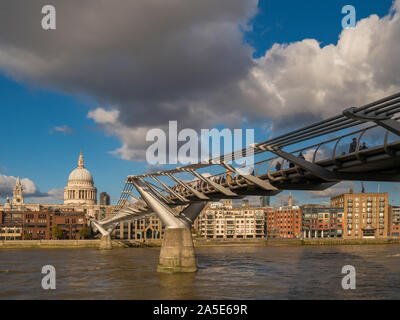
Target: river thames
<point>302,272</point>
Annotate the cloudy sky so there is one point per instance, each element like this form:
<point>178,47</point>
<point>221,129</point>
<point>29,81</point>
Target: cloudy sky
<point>112,70</point>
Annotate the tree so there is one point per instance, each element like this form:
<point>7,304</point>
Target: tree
<point>57,232</point>
<point>28,236</point>
<point>84,233</point>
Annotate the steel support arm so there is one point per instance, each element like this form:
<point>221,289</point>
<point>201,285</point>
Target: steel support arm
<point>325,174</point>
<point>104,230</point>
<point>381,120</point>
<point>215,185</point>
<point>170,190</point>
<point>264,184</point>
<point>165,213</point>
<point>198,194</point>
<point>192,211</point>
<point>159,194</point>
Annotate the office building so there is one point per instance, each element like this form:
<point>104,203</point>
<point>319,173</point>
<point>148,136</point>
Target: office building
<point>321,222</point>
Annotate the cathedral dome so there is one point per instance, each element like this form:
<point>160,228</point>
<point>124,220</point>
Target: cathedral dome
<point>80,189</point>
<point>80,176</point>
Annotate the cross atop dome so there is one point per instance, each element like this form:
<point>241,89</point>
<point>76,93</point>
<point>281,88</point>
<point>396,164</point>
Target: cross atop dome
<point>81,162</point>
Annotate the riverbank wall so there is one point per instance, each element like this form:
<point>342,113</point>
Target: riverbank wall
<point>95,243</point>
<point>10,244</point>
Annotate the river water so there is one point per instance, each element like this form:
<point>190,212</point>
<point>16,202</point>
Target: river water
<point>224,273</point>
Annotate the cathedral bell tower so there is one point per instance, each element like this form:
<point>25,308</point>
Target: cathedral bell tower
<point>18,198</point>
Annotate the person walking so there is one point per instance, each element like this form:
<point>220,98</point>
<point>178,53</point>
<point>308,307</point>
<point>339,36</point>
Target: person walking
<point>353,146</point>
<point>363,146</point>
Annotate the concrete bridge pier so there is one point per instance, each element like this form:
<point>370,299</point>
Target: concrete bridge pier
<point>105,242</point>
<point>177,250</point>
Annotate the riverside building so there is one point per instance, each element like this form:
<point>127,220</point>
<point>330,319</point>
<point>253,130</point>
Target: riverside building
<point>284,222</point>
<point>394,221</point>
<point>11,225</point>
<point>224,221</point>
<point>37,225</point>
<point>145,229</point>
<point>321,222</point>
<point>366,215</point>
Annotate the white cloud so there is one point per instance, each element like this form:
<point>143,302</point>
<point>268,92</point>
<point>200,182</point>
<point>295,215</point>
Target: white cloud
<point>30,190</point>
<point>133,139</point>
<point>53,196</point>
<point>283,200</point>
<point>296,82</point>
<point>7,184</point>
<point>103,116</point>
<point>63,129</point>
<point>303,78</point>
<point>188,62</point>
<point>340,188</point>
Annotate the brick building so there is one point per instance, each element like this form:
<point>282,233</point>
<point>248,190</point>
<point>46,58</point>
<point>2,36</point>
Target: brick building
<point>70,223</point>
<point>37,225</point>
<point>321,222</point>
<point>366,215</point>
<point>394,221</point>
<point>11,225</point>
<point>284,222</point>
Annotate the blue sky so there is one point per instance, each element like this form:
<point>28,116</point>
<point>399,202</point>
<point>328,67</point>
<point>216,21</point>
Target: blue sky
<point>290,21</point>
<point>33,148</point>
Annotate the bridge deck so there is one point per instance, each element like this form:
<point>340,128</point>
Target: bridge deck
<point>373,160</point>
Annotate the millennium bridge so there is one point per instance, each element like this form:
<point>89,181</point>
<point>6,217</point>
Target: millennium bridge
<point>312,158</point>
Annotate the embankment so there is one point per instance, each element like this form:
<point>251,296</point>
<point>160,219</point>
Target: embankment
<point>26,244</point>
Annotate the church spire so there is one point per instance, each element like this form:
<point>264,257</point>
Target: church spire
<point>81,162</point>
<point>18,198</point>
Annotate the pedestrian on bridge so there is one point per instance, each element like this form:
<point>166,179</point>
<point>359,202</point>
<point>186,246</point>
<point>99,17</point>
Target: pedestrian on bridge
<point>353,146</point>
<point>363,146</point>
<point>228,176</point>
